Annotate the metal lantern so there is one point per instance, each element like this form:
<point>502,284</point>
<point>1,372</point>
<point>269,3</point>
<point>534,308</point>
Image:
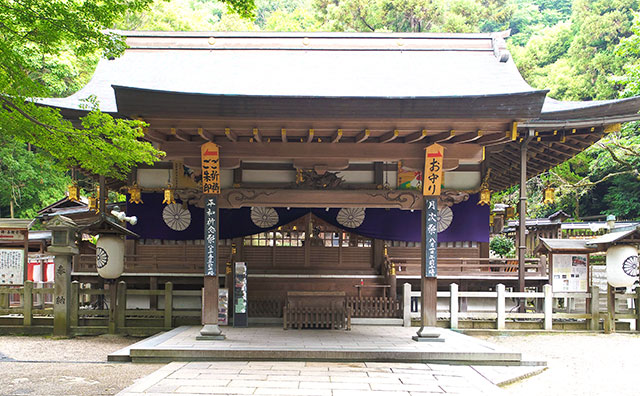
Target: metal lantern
<point>549,195</point>
<point>93,203</point>
<point>485,196</point>
<point>73,192</point>
<point>511,212</point>
<point>135,194</point>
<point>169,197</point>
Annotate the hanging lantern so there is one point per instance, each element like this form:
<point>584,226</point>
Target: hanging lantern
<point>511,212</point>
<point>72,191</point>
<point>549,195</point>
<point>135,194</point>
<point>168,196</point>
<point>485,196</point>
<point>491,219</point>
<point>93,203</point>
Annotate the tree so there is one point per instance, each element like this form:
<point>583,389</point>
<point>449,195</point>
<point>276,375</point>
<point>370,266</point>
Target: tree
<point>34,35</point>
<point>28,180</point>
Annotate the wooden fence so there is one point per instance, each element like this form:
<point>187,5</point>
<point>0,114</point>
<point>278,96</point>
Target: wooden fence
<point>374,307</point>
<point>539,308</point>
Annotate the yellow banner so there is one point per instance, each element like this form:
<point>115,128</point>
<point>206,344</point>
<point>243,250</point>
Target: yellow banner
<point>432,181</point>
<point>210,154</point>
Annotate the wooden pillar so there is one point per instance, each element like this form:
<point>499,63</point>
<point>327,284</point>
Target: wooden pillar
<point>522,248</point>
<point>610,318</point>
<point>102,199</point>
<point>210,329</point>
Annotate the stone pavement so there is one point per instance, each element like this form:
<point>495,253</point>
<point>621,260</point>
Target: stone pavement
<point>323,379</point>
<point>361,344</point>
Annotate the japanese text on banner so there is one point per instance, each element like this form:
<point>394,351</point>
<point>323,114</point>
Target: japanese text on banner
<point>431,238</point>
<point>210,168</point>
<point>211,236</point>
<point>433,169</point>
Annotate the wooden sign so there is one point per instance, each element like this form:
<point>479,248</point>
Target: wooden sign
<point>11,235</point>
<point>210,154</point>
<point>430,245</point>
<point>432,180</point>
<point>211,236</point>
<point>12,266</point>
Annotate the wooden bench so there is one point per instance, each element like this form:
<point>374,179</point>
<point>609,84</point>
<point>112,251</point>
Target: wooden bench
<point>318,310</point>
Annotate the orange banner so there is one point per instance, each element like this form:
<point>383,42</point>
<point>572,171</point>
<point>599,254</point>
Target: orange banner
<point>210,154</point>
<point>432,180</point>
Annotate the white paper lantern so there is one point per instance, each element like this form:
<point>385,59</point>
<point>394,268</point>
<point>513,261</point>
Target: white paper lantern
<point>110,256</point>
<point>622,265</point>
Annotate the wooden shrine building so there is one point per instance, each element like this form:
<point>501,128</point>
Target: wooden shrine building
<point>322,142</point>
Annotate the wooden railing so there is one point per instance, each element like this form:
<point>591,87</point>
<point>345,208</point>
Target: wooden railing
<point>539,307</point>
<point>153,263</point>
<point>473,266</point>
<point>25,306</point>
<point>374,307</point>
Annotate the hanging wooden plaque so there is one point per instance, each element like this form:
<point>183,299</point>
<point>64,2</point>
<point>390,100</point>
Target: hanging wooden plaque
<point>432,180</point>
<point>210,154</point>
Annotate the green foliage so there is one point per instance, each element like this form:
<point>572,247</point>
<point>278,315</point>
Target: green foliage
<point>30,179</point>
<point>502,246</point>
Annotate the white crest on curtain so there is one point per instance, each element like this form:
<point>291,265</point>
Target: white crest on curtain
<point>264,217</point>
<point>445,217</point>
<point>176,217</point>
<point>350,217</point>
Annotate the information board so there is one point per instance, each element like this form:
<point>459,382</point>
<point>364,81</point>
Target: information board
<point>11,266</point>
<point>570,273</point>
<point>240,305</point>
<point>223,307</point>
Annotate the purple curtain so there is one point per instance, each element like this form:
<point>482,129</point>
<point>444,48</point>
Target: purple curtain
<point>470,222</point>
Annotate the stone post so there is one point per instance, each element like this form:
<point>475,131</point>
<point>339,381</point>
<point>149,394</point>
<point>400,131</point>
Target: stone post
<point>453,306</point>
<point>63,248</point>
<point>406,305</point>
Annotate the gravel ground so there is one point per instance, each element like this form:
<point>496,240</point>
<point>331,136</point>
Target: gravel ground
<point>41,366</point>
<point>579,364</point>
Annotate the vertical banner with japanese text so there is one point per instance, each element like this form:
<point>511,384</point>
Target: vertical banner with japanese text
<point>210,168</point>
<point>210,188</point>
<point>432,176</point>
<point>211,236</point>
<point>430,246</point>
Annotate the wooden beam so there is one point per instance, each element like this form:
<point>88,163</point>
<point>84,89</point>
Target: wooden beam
<point>467,137</point>
<point>283,135</point>
<point>336,136</point>
<point>416,136</point>
<point>206,135</point>
<point>293,150</point>
<point>181,135</point>
<point>256,135</point>
<point>310,135</point>
<point>230,135</point>
<point>452,133</point>
<point>362,136</point>
<point>321,164</point>
<point>402,199</point>
<point>389,136</point>
<point>154,136</point>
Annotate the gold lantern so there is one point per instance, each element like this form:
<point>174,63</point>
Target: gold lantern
<point>169,197</point>
<point>491,219</point>
<point>511,212</point>
<point>73,192</point>
<point>485,196</point>
<point>93,203</point>
<point>135,194</point>
<point>549,195</point>
<point>485,193</point>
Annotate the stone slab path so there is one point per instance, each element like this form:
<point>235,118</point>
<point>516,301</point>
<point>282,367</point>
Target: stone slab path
<point>323,379</point>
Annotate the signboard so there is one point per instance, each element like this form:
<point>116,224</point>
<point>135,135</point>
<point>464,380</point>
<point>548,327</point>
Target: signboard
<point>11,266</point>
<point>11,235</point>
<point>408,179</point>
<point>210,168</point>
<point>211,236</point>
<point>223,307</point>
<point>430,214</point>
<point>570,273</point>
<point>240,314</point>
<point>433,163</point>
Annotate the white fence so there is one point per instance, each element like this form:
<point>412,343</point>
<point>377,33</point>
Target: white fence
<point>546,306</point>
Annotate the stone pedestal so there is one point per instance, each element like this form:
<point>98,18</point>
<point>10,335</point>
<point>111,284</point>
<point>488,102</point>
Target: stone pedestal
<point>428,334</point>
<point>62,288</point>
